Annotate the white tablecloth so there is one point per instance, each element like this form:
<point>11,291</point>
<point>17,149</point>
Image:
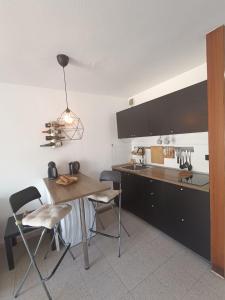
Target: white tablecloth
<point>71,225</point>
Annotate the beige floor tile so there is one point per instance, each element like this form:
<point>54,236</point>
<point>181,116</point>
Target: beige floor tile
<point>106,286</point>
<point>201,291</point>
<point>6,284</point>
<point>152,289</point>
<point>98,264</point>
<point>127,296</point>
<point>176,279</point>
<point>215,283</point>
<point>133,268</point>
<point>191,262</point>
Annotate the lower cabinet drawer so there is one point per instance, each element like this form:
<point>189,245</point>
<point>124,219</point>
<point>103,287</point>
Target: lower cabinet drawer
<point>182,213</point>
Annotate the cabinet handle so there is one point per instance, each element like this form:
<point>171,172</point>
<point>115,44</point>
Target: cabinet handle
<point>182,220</point>
<point>152,194</point>
<point>153,205</point>
<point>181,189</point>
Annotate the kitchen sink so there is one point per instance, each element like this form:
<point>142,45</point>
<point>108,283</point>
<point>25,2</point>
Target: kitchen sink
<point>135,167</point>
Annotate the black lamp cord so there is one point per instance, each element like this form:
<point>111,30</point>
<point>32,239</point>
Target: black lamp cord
<point>64,76</point>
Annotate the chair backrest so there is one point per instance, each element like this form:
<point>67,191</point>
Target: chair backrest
<point>23,197</point>
<point>113,176</point>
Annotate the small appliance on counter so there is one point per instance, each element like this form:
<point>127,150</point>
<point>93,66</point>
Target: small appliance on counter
<point>74,167</point>
<point>52,170</point>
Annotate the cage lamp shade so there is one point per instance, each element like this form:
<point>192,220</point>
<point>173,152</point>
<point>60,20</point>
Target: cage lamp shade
<point>72,125</point>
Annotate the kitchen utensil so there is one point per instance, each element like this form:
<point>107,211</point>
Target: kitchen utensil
<point>177,155</point>
<point>180,159</point>
<point>186,162</point>
<point>166,140</point>
<point>157,155</point>
<point>52,170</point>
<point>182,163</point>
<point>159,141</point>
<point>173,139</point>
<point>190,165</point>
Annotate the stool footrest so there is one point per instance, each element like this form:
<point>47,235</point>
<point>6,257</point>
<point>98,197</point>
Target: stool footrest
<point>58,263</point>
<point>105,234</point>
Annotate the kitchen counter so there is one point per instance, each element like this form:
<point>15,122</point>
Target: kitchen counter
<point>163,174</point>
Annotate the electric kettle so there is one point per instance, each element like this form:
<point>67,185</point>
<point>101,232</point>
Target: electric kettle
<point>74,167</point>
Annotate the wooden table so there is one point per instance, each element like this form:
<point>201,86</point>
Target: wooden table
<point>83,188</point>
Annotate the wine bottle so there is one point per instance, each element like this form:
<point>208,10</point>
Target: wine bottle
<point>53,124</point>
<point>56,144</point>
<point>54,137</point>
<point>48,145</point>
<point>52,131</point>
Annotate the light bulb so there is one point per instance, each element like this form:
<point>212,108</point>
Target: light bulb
<point>68,119</point>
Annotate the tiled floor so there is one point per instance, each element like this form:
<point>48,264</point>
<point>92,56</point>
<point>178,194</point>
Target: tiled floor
<point>152,266</point>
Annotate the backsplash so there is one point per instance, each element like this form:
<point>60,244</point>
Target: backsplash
<point>197,140</point>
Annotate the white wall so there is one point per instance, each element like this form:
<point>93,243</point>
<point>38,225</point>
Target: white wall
<point>198,140</point>
<point>24,111</point>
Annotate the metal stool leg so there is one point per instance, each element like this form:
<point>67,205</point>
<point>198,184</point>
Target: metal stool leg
<point>119,229</point>
<point>52,241</point>
<point>33,262</point>
<point>91,230</point>
<point>65,245</point>
<point>117,215</point>
<point>100,221</point>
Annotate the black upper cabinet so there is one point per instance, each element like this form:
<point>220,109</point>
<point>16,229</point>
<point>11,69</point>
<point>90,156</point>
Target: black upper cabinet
<point>187,110</point>
<point>123,124</point>
<point>183,111</point>
<point>132,122</point>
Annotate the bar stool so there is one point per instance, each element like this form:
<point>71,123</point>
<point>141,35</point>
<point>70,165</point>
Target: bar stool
<point>46,217</point>
<point>108,197</point>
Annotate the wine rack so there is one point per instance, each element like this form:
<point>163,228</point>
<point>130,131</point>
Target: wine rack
<point>57,132</point>
<point>53,135</point>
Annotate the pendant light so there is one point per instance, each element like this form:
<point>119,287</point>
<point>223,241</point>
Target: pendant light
<point>72,125</point>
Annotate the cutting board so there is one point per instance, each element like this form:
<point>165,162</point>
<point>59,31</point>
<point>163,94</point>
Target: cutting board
<point>157,155</point>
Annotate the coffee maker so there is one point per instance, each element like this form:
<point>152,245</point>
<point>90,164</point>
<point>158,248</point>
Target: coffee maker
<point>52,170</point>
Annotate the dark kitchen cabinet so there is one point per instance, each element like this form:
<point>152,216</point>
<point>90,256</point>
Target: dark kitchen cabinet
<point>124,124</point>
<point>134,195</point>
<point>154,212</point>
<point>182,213</point>
<point>188,217</point>
<point>156,115</point>
<point>187,110</point>
<point>131,193</point>
<point>132,122</point>
<point>183,111</point>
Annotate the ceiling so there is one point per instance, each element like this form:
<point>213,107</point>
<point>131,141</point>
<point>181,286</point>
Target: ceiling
<point>117,47</point>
